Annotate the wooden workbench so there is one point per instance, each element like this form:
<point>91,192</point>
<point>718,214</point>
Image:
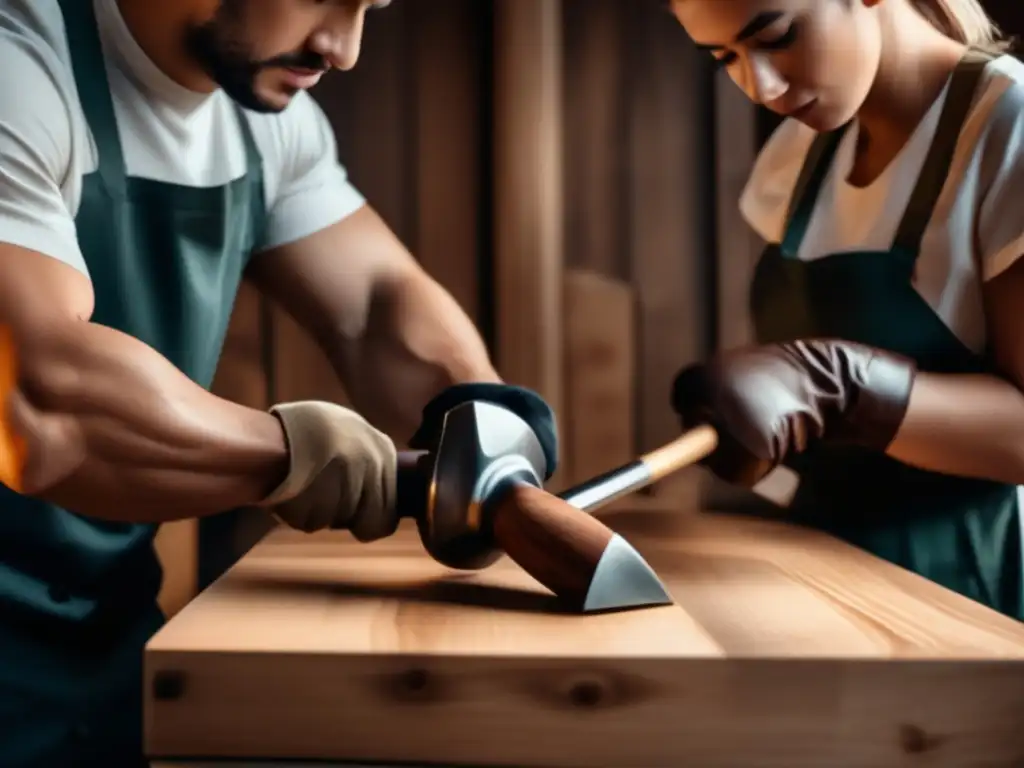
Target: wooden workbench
<point>785,648</point>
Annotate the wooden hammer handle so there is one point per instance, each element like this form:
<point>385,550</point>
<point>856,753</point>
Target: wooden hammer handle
<point>687,449</point>
<point>414,469</point>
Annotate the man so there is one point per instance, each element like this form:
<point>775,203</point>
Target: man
<point>150,153</point>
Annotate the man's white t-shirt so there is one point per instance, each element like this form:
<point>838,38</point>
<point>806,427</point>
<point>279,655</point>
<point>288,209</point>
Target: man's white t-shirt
<point>976,230</point>
<point>168,133</point>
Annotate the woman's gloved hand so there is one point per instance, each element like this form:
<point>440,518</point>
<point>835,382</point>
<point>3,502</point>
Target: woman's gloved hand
<point>342,473</point>
<point>771,401</point>
<point>525,403</point>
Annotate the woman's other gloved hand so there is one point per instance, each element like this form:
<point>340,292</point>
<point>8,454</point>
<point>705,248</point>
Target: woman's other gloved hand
<point>768,402</point>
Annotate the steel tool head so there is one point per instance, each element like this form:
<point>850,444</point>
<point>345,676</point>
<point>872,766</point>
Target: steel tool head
<point>482,447</point>
<point>623,579</point>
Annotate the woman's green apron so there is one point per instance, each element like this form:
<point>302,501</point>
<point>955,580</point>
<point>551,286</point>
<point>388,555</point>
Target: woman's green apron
<point>78,596</point>
<point>964,534</point>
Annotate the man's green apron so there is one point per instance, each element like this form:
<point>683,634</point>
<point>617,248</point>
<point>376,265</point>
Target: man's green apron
<point>77,595</point>
<point>962,533</point>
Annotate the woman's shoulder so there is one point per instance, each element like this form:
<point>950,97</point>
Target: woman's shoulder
<point>996,119</point>
<point>991,150</point>
<point>766,196</point>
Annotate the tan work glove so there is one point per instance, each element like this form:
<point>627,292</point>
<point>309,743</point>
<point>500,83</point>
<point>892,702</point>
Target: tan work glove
<point>342,472</point>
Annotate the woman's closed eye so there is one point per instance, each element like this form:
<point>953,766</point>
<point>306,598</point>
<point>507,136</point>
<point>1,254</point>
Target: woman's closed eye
<point>784,40</point>
<point>778,43</point>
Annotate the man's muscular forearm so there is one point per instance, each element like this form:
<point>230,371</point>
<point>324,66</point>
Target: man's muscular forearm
<point>111,429</point>
<point>416,343</point>
<point>394,335</point>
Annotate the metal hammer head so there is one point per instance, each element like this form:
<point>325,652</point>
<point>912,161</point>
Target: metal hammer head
<point>482,447</point>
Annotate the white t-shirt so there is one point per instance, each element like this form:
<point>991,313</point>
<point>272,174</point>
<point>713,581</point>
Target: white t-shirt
<point>977,228</point>
<point>167,132</point>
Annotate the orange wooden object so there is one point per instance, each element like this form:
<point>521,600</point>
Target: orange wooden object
<point>12,447</point>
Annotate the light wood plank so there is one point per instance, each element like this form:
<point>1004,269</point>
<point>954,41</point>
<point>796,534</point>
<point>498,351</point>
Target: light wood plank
<point>784,648</point>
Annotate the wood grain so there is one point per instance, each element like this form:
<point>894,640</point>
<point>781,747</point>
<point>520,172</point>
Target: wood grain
<point>785,648</point>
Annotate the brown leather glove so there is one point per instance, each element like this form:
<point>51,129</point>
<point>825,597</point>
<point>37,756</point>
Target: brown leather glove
<point>771,401</point>
<point>342,473</point>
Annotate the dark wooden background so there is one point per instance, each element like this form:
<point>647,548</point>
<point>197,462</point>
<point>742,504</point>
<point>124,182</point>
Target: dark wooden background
<point>517,143</point>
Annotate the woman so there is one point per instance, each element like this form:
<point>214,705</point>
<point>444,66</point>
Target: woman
<point>890,360</point>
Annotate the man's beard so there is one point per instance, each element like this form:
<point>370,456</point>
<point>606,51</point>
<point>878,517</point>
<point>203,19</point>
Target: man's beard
<point>218,48</point>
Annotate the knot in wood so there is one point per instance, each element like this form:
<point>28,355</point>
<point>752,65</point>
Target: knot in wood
<point>914,740</point>
<point>587,693</point>
<point>168,685</point>
<point>416,685</point>
<point>587,689</point>
<point>415,680</point>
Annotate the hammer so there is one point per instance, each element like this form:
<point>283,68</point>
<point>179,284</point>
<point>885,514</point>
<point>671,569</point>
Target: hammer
<point>479,495</point>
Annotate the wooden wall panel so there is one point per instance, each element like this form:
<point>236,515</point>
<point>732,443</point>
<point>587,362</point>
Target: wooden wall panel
<point>449,145</point>
<point>599,374</point>
<point>596,130</point>
<point>528,196</point>
<point>670,247</point>
<point>739,246</point>
<point>639,199</point>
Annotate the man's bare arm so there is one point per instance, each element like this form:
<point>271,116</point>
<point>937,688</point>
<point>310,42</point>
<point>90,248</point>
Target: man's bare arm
<point>394,335</point>
<point>111,428</point>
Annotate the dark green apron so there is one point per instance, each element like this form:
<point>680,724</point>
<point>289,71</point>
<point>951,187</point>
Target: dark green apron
<point>78,596</point>
<point>962,533</point>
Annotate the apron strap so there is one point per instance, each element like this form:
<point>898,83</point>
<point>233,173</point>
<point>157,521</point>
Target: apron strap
<point>90,70</point>
<point>253,159</point>
<point>808,184</point>
<point>963,84</point>
<point>959,100</point>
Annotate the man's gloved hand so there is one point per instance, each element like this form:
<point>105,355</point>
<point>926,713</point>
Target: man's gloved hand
<point>771,401</point>
<point>342,472</point>
<point>525,403</point>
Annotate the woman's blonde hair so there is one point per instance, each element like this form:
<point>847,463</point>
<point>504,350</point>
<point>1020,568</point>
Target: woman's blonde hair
<point>964,21</point>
